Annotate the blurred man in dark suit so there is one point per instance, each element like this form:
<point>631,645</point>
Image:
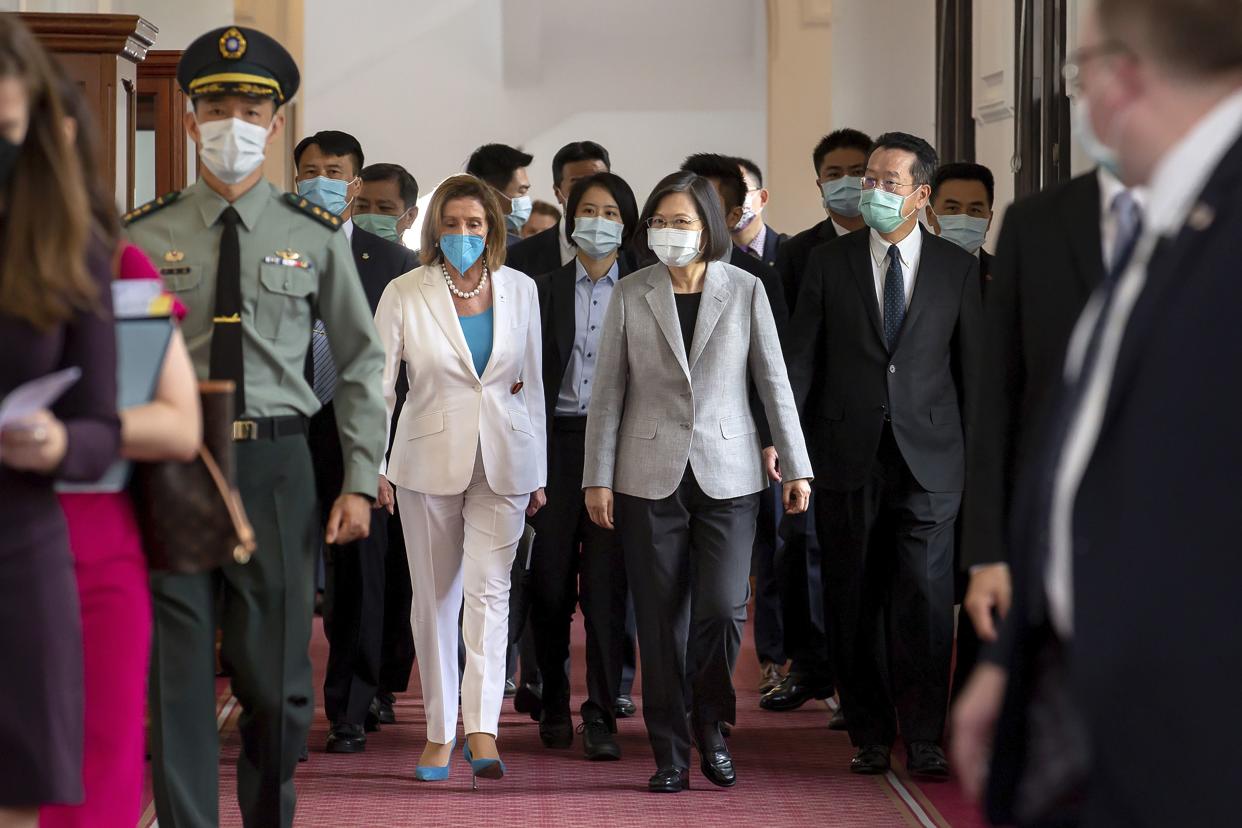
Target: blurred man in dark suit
<point>751,234</point>
<point>1123,528</point>
<point>961,210</point>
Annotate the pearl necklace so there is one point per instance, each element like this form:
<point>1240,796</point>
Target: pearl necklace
<point>464,294</point>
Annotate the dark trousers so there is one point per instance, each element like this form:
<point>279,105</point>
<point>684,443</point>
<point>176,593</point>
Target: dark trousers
<point>688,561</point>
<point>968,644</point>
<point>397,640</point>
<point>798,573</point>
<point>354,588</point>
<point>769,626</point>
<point>266,607</point>
<point>575,562</point>
<point>888,581</point>
<point>629,650</point>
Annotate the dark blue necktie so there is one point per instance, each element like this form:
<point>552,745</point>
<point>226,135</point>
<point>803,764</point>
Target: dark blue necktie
<point>894,298</point>
<point>1129,223</point>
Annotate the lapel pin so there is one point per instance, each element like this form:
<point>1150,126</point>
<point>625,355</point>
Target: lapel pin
<point>366,256</point>
<point>1201,217</point>
<point>516,387</point>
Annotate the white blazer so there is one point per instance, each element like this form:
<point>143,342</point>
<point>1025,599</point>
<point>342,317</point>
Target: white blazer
<point>450,410</point>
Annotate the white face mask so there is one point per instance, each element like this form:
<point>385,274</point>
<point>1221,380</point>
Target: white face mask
<point>675,248</point>
<point>232,148</point>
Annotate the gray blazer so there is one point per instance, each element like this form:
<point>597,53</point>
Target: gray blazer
<point>653,410</point>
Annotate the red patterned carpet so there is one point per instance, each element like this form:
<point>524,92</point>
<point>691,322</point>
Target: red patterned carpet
<point>791,770</point>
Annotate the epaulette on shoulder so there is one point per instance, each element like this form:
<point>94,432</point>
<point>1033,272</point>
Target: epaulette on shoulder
<point>150,207</point>
<point>316,212</point>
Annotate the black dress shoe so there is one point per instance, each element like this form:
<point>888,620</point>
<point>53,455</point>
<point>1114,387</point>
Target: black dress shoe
<point>927,760</point>
<point>372,722</point>
<point>529,700</point>
<point>597,741</point>
<point>837,722</point>
<point>346,738</point>
<point>717,766</point>
<point>510,688</point>
<point>871,760</point>
<point>556,730</point>
<point>669,780</point>
<point>792,693</point>
<point>624,707</point>
<point>384,702</point>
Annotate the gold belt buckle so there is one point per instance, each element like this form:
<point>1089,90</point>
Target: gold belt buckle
<point>245,430</point>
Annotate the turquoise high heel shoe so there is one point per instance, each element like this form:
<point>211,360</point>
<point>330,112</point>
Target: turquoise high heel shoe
<point>485,768</point>
<point>435,773</point>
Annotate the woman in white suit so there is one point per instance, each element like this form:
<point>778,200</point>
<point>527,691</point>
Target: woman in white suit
<point>468,459</point>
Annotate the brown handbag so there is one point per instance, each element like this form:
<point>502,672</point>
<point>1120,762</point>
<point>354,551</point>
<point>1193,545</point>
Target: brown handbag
<point>190,514</point>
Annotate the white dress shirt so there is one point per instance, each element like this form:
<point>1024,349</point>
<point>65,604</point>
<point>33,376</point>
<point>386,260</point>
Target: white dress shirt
<point>911,250</point>
<point>348,227</point>
<point>841,231</point>
<point>568,251</point>
<point>1175,186</point>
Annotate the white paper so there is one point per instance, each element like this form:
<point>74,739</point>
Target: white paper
<point>36,395</point>
<point>133,297</point>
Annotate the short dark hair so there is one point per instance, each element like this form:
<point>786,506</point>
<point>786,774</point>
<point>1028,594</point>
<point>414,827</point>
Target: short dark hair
<point>577,151</point>
<point>619,190</point>
<point>925,158</point>
<point>752,168</point>
<point>496,163</point>
<point>724,169</point>
<point>965,171</point>
<point>406,185</point>
<point>844,138</point>
<point>539,207</point>
<point>1199,37</point>
<point>715,232</point>
<point>331,142</point>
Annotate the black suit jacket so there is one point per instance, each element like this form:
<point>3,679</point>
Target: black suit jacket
<point>771,281</point>
<point>557,314</point>
<point>1155,656</point>
<point>791,262</point>
<point>379,261</point>
<point>1047,262</point>
<point>541,253</point>
<point>846,382</point>
<point>985,271</point>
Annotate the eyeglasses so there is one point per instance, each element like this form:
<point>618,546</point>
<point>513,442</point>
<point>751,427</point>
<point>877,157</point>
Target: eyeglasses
<point>1072,70</point>
<point>676,223</point>
<point>884,184</point>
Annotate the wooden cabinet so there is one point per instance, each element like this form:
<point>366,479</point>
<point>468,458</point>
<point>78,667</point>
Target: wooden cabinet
<point>164,150</point>
<point>101,52</point>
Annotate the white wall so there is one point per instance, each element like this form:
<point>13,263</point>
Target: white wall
<point>651,80</point>
<point>993,32</point>
<point>883,66</point>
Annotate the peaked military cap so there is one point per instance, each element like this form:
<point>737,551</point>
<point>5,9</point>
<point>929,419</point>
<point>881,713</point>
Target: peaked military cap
<point>235,60</point>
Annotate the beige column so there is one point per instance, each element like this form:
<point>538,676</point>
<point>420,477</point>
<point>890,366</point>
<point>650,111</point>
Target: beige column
<point>799,108</point>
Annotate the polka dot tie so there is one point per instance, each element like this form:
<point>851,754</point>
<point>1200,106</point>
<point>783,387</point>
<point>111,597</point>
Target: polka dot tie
<point>894,298</point>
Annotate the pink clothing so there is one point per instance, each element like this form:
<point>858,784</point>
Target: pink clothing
<point>116,640</point>
<point>116,643</point>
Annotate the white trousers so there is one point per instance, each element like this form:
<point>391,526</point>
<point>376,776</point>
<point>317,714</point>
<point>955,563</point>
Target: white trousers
<point>459,544</point>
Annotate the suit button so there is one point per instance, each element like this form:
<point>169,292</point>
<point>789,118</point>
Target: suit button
<point>478,388</point>
<point>686,426</point>
<point>892,369</point>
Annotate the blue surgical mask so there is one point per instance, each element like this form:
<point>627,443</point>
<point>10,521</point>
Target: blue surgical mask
<point>461,250</point>
<point>967,232</point>
<point>881,210</point>
<point>596,236</point>
<point>1099,152</point>
<point>841,195</point>
<point>519,212</point>
<point>328,193</point>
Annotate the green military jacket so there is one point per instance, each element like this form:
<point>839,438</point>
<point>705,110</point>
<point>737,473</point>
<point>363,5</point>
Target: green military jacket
<point>295,267</point>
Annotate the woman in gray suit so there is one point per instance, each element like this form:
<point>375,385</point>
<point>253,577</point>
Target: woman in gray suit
<point>670,431</point>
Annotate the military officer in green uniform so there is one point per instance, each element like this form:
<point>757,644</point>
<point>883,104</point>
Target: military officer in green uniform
<point>258,269</point>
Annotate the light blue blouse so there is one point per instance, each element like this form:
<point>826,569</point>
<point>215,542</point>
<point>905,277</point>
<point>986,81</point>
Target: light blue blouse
<point>478,331</point>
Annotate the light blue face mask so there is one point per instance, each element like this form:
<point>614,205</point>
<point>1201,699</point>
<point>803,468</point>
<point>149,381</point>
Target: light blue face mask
<point>461,250</point>
<point>519,212</point>
<point>328,193</point>
<point>841,195</point>
<point>596,236</point>
<point>881,210</point>
<point>1096,150</point>
<point>967,232</point>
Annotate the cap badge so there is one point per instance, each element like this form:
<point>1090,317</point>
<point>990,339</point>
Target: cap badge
<point>232,44</point>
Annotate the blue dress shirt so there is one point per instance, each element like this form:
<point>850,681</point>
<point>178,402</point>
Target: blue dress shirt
<point>590,305</point>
